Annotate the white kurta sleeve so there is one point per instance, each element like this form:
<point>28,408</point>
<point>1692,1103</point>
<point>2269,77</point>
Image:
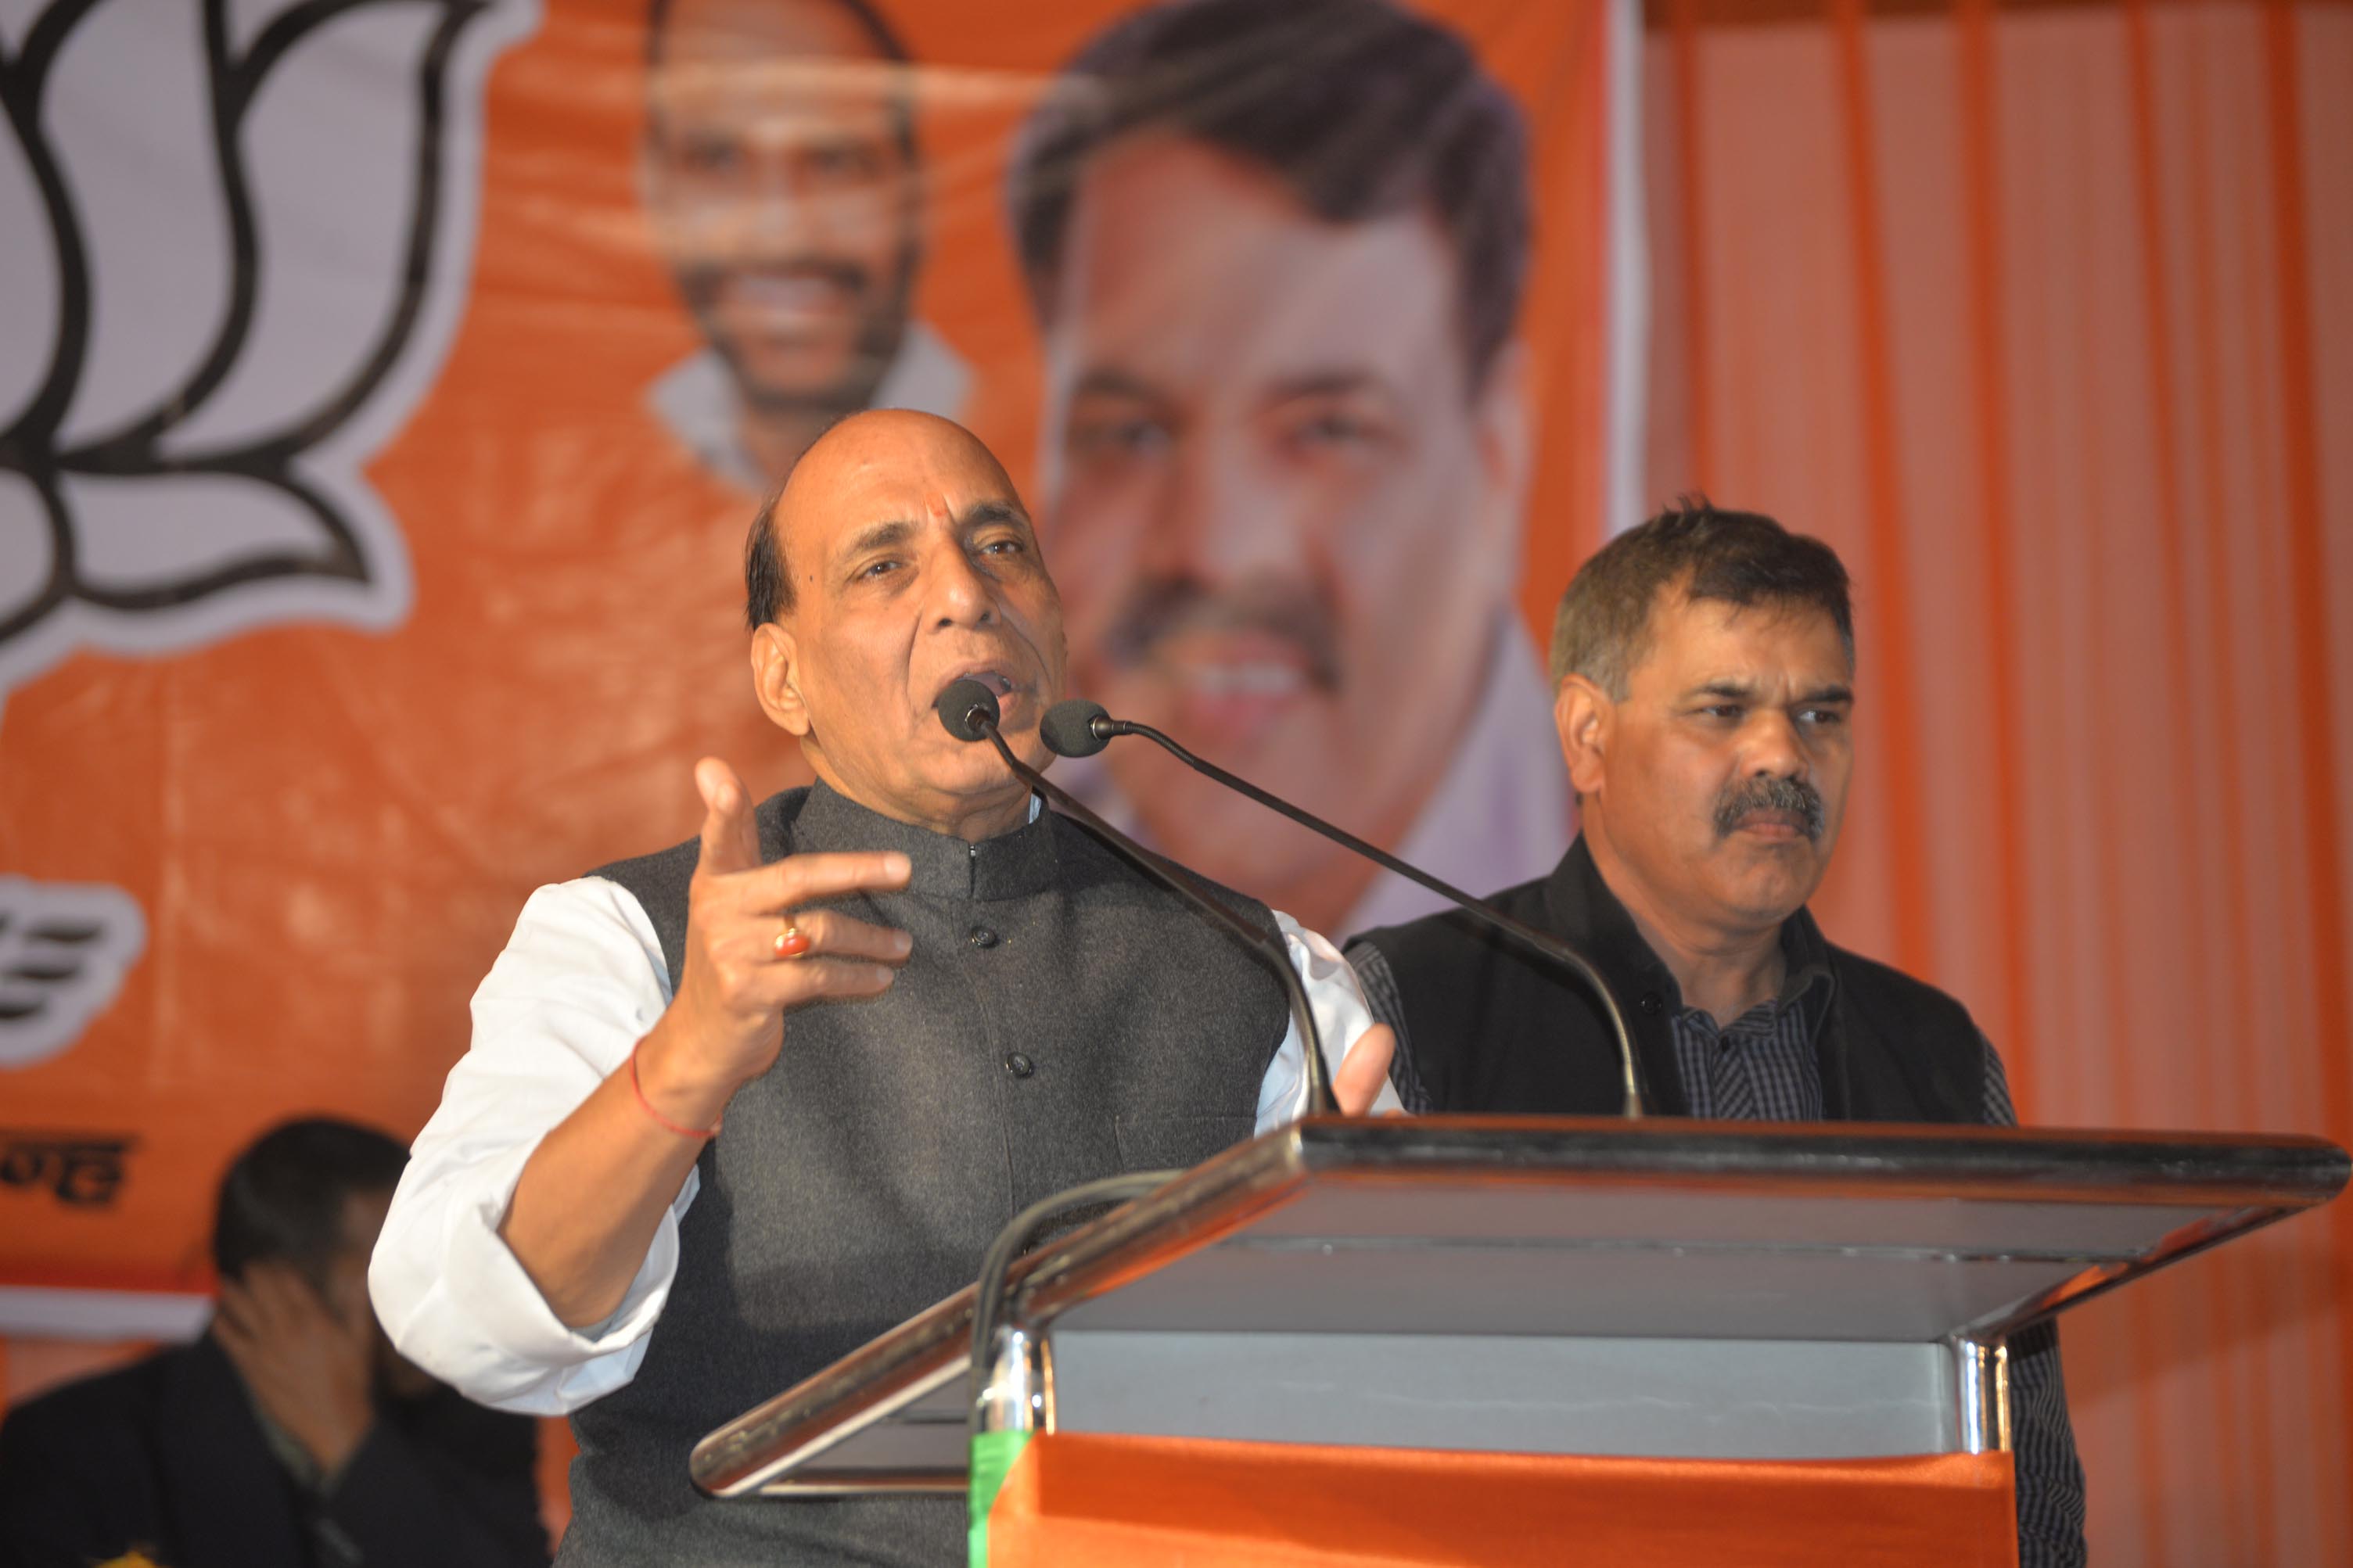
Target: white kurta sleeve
<point>1341,1015</point>
<point>581,982</point>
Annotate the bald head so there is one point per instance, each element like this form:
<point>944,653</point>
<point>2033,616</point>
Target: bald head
<point>853,453</point>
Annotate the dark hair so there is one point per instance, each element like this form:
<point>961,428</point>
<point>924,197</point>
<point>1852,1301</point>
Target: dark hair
<point>1601,630</point>
<point>887,43</point>
<point>767,586</point>
<point>284,1198</point>
<point>1361,109</point>
<point>886,38</point>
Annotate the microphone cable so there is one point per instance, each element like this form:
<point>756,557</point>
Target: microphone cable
<point>1077,728</point>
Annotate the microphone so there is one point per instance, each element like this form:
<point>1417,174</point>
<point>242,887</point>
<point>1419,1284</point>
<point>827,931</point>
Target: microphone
<point>969,711</point>
<point>1077,728</point>
<point>1070,729</point>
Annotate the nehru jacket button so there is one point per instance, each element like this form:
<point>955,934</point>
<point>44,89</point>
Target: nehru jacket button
<point>1650,1004</point>
<point>1020,1065</point>
<point>981,936</point>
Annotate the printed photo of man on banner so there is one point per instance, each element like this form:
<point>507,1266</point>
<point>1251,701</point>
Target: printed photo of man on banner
<point>786,190</point>
<point>1277,255</point>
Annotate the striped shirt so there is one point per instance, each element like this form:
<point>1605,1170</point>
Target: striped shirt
<point>1764,1067</point>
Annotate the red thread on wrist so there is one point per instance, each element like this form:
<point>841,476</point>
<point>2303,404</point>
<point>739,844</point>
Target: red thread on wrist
<point>647,1107</point>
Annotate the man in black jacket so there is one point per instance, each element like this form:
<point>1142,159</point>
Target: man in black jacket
<point>1704,669</point>
<point>289,1435</point>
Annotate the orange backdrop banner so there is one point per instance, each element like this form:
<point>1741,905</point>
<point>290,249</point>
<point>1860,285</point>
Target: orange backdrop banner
<point>396,569</point>
<point>1159,1502</point>
<point>385,388</point>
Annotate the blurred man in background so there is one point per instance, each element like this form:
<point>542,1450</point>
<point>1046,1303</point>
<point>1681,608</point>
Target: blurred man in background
<point>292,1434</point>
<point>786,191</point>
<point>1277,252</point>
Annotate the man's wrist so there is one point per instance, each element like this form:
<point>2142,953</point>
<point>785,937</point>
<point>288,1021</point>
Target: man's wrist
<point>674,1083</point>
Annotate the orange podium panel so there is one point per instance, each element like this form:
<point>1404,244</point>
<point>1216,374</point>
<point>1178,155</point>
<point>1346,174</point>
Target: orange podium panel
<point>1178,1503</point>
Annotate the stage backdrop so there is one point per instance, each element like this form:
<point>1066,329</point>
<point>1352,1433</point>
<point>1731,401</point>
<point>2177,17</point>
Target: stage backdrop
<point>384,389</point>
<point>389,385</point>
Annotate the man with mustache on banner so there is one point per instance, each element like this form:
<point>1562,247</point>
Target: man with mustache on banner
<point>1704,666</point>
<point>918,1001</point>
<point>1277,255</point>
<point>786,191</point>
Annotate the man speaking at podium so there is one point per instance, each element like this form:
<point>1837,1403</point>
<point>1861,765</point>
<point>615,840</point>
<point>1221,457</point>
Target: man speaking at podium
<point>919,1003</point>
<point>1704,674</point>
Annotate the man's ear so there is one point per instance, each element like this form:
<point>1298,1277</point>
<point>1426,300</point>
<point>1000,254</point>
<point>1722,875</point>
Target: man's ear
<point>1583,713</point>
<point>775,678</point>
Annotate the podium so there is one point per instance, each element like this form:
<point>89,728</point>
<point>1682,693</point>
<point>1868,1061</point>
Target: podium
<point>1457,1339</point>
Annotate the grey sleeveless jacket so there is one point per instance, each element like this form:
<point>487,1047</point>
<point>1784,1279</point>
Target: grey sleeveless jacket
<point>1059,1019</point>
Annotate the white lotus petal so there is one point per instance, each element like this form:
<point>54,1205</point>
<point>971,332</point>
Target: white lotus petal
<point>329,149</point>
<point>64,948</point>
<point>16,19</point>
<point>206,556</point>
<point>28,284</point>
<point>163,531</point>
<point>247,18</point>
<point>28,548</point>
<point>128,116</point>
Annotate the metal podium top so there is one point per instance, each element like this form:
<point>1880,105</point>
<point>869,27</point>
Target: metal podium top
<point>1567,1227</point>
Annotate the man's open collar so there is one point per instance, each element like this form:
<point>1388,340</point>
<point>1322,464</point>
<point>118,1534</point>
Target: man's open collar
<point>1580,901</point>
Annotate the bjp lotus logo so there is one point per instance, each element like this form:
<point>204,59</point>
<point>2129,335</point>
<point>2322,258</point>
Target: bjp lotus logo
<point>234,241</point>
<point>64,948</point>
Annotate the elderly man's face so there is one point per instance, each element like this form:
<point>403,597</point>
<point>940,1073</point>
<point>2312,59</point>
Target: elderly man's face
<point>1286,525</point>
<point>913,565</point>
<point>782,195</point>
<point>1720,780</point>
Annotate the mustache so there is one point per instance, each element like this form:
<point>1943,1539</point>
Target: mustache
<point>1751,796</point>
<point>1161,608</point>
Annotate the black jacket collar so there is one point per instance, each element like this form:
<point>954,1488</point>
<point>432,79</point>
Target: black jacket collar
<point>1012,865</point>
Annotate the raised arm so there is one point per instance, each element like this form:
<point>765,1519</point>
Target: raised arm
<point>632,1141</point>
<point>533,1237</point>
